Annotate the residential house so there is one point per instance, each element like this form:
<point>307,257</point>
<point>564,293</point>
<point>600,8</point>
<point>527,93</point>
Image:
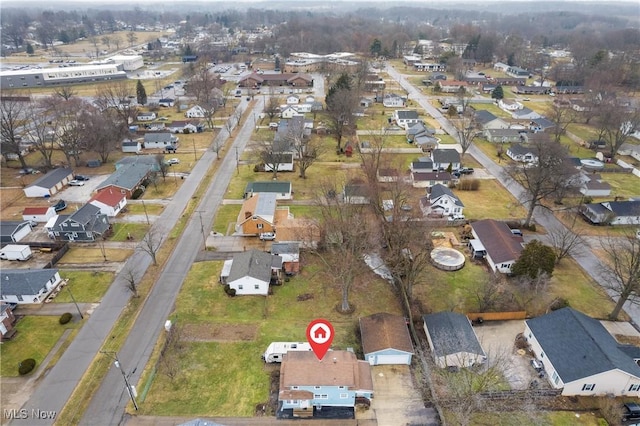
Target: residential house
<point>293,100</point>
<point>452,340</point>
<point>540,125</point>
<point>289,251</point>
<point>405,118</point>
<point>282,189</point>
<point>12,231</point>
<point>289,111</point>
<point>385,339</point>
<point>514,71</point>
<point>523,153</point>
<point>392,100</point>
<point>356,192</point>
<point>510,81</point>
<point>309,385</point>
<point>509,105</point>
<point>131,174</point>
<point>441,201</point>
<point>422,166</point>
<point>580,105</point>
<point>282,162</point>
<point>503,135</point>
<point>166,102</point>
<point>251,272</point>
<point>499,66</point>
<point>487,120</point>
<point>50,183</point>
<point>612,212</point>
<point>419,129</point>
<point>525,114</point>
<point>592,185</point>
<point>24,286</point>
<point>428,179</point>
<point>38,214</point>
<point>132,147</point>
<point>630,149</point>
<point>256,80</point>
<point>7,321</point>
<point>110,202</point>
<point>160,140</point>
<point>443,158</point>
<point>451,86</point>
<point>85,225</point>
<point>499,246</point>
<point>581,357</point>
<point>195,111</point>
<point>366,102</point>
<point>146,116</point>
<point>182,126</point>
<point>531,90</point>
<point>429,66</point>
<point>257,215</point>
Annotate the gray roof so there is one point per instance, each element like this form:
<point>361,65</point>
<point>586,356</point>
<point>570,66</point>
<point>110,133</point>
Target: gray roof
<point>407,115</point>
<point>266,205</point>
<point>438,190</point>
<point>147,160</point>
<point>484,117</point>
<point>159,137</point>
<point>253,263</point>
<point>543,123</point>
<point>52,178</point>
<point>523,112</point>
<point>90,218</point>
<point>451,333</point>
<point>624,208</point>
<point>445,156</point>
<point>19,282</point>
<point>9,227</point>
<point>127,176</point>
<point>287,247</point>
<point>518,149</point>
<point>420,165</point>
<point>278,187</point>
<point>579,346</point>
<point>498,133</point>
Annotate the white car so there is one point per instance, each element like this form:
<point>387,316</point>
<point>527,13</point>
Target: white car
<point>268,236</point>
<point>173,161</point>
<point>76,182</point>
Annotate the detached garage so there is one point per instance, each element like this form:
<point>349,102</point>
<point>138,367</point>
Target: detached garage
<point>385,339</point>
<point>49,184</point>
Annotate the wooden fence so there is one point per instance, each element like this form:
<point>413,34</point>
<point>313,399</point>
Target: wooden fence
<point>496,316</point>
<point>522,394</point>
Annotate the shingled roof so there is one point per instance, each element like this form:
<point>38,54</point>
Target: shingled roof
<point>384,331</point>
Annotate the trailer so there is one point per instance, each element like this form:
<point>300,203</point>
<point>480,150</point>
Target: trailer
<point>15,252</point>
<point>276,350</point>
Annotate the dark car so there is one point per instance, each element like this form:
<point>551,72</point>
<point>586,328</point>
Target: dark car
<point>82,178</point>
<point>466,170</point>
<point>60,205</point>
<point>631,411</point>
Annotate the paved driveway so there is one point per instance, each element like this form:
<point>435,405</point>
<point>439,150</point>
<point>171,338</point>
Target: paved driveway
<point>396,401</point>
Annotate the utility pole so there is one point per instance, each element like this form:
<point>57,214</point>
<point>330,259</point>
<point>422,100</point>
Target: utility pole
<point>237,162</point>
<point>74,301</point>
<point>145,211</point>
<point>130,389</point>
<point>204,237</point>
<point>195,157</point>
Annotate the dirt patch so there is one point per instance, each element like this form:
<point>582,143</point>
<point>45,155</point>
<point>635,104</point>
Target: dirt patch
<point>220,332</point>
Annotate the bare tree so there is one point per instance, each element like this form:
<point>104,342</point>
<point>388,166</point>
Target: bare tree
<point>116,97</point>
<point>162,166</point>
<point>151,243</point>
<point>131,38</point>
<point>95,43</point>
<point>172,352</point>
<point>206,88</point>
<point>65,92</point>
<point>307,153</point>
<point>131,279</point>
<point>544,178</point>
<point>565,241</point>
<point>101,131</point>
<point>273,106</point>
<point>69,130</point>
<point>621,269</point>
<point>466,128</point>
<point>12,116</point>
<point>106,40</point>
<point>41,128</point>
<point>487,293</point>
<point>561,115</point>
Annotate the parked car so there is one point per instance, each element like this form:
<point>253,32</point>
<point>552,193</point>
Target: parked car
<point>268,236</point>
<point>631,411</point>
<point>60,205</point>
<point>28,171</point>
<point>81,177</point>
<point>76,182</point>
<point>173,161</point>
<point>466,170</point>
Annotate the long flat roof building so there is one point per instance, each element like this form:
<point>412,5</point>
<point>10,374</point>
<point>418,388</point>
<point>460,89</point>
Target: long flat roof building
<point>38,77</point>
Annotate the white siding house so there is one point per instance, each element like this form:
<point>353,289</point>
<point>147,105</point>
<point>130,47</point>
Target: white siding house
<point>24,286</point>
<point>251,272</point>
<point>49,184</point>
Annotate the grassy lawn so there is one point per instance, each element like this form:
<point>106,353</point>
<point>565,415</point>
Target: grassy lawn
<point>86,286</point>
<point>151,208</point>
<point>491,200</point>
<point>226,214</point>
<point>311,212</point>
<point>622,184</point>
<point>492,108</point>
<point>204,388</point>
<point>583,131</point>
<point>80,255</point>
<point>537,418</point>
<point>36,336</point>
<point>122,230</point>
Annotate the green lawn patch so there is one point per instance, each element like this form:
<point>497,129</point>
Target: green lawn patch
<point>86,286</point>
<point>622,184</point>
<point>36,336</point>
<point>226,214</point>
<point>151,208</point>
<point>122,230</point>
<point>491,200</point>
<point>311,212</point>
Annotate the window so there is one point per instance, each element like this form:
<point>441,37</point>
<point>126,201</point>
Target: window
<point>257,286</point>
<point>555,378</point>
<point>344,395</point>
<point>588,387</point>
<point>260,226</point>
<point>317,387</point>
<point>295,387</point>
<point>240,287</point>
<point>634,388</point>
<point>321,396</point>
<point>541,354</point>
<point>339,387</point>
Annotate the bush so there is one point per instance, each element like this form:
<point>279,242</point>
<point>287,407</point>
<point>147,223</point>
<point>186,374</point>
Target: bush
<point>26,366</point>
<point>468,184</point>
<point>65,318</point>
<point>230,291</point>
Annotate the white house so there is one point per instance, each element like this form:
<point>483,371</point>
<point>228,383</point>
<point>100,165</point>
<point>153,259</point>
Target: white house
<point>38,214</point>
<point>522,154</point>
<point>251,272</point>
<point>195,112</point>
<point>392,100</point>
<point>181,126</point>
<point>385,339</point>
<point>580,357</point>
<point>289,111</point>
<point>441,201</point>
<point>443,158</point>
<point>405,118</point>
<point>49,184</point>
<point>24,286</point>
<point>12,231</point>
<point>160,140</point>
<point>486,120</point>
<point>592,185</point>
<point>133,147</point>
<point>146,116</point>
<point>500,247</point>
<point>452,340</point>
<point>509,105</point>
<point>293,100</point>
<point>109,201</point>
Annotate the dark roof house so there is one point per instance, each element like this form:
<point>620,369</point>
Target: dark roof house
<point>452,340</point>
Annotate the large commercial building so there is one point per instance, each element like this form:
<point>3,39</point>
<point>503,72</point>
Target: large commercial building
<point>63,75</point>
<point>128,62</point>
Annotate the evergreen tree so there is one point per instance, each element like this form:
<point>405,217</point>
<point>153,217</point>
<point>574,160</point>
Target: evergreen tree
<point>498,93</point>
<point>29,49</point>
<point>376,48</point>
<point>141,93</point>
<point>536,258</point>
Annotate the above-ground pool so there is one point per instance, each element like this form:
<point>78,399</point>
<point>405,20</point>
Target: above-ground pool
<point>591,164</point>
<point>447,259</point>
